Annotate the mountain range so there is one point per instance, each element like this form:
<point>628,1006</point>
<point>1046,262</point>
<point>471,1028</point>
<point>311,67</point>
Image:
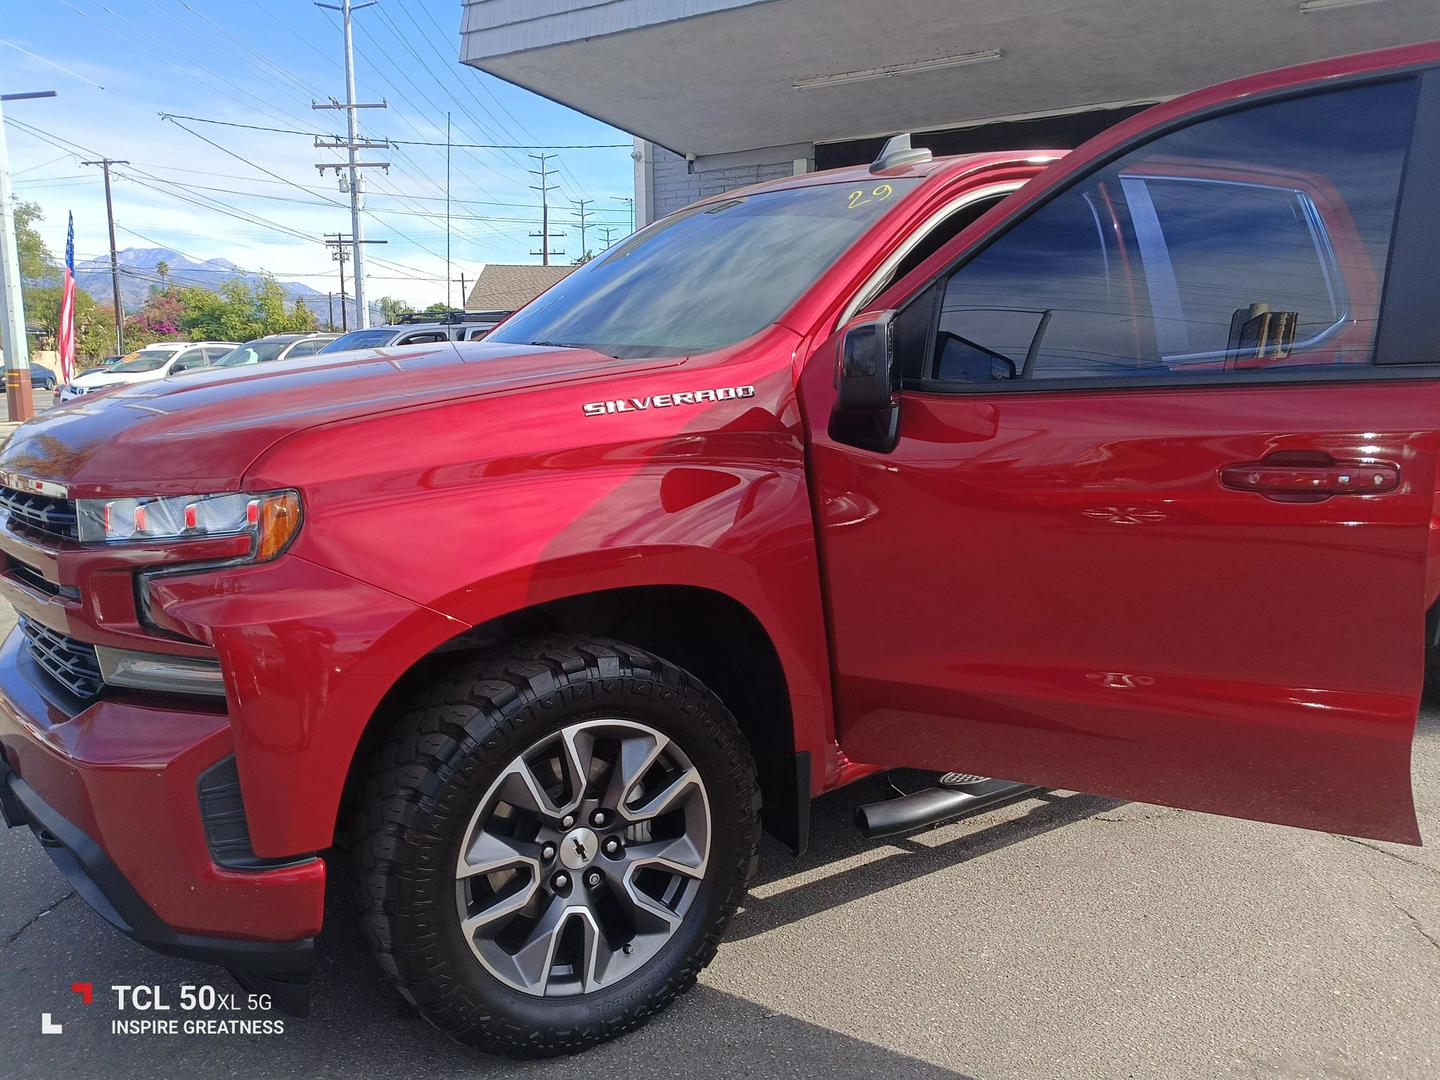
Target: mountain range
<point>138,276</point>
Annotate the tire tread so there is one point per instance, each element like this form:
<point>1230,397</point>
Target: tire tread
<point>477,711</point>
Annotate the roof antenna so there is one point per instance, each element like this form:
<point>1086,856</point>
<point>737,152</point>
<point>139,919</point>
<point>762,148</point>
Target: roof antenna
<point>897,152</point>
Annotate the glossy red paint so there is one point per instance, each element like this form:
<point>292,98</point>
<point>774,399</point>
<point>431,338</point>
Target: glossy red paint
<point>1178,640</point>
<point>447,485</point>
<point>125,773</point>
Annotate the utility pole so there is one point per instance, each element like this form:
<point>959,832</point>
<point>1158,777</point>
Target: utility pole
<point>448,304</point>
<point>339,255</point>
<point>340,241</point>
<point>631,204</point>
<point>544,188</point>
<point>464,295</point>
<point>581,221</point>
<point>12,302</point>
<point>608,231</point>
<point>330,304</point>
<point>352,144</point>
<point>105,164</point>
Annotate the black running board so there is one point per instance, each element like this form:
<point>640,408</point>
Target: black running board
<point>932,806</point>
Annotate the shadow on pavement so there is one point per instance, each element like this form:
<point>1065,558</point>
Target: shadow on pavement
<point>835,839</point>
<point>360,1026</point>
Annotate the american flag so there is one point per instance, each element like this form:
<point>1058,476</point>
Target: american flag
<point>67,310</point>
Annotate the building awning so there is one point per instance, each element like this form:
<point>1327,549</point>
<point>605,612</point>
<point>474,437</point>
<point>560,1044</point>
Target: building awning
<point>723,76</point>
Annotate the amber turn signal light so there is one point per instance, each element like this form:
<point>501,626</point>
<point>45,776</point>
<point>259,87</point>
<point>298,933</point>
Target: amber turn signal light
<point>277,519</point>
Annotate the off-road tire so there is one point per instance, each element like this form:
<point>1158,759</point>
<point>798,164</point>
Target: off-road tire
<point>444,747</point>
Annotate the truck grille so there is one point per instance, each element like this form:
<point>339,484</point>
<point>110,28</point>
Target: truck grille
<point>42,512</point>
<point>71,663</point>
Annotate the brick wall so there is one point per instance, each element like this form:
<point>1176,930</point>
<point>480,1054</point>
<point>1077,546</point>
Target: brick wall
<point>675,186</point>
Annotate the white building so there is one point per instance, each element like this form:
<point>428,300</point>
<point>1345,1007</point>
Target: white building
<point>722,93</point>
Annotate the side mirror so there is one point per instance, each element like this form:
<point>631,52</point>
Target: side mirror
<point>866,413</point>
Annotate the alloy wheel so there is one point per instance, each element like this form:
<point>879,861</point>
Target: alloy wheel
<point>583,857</point>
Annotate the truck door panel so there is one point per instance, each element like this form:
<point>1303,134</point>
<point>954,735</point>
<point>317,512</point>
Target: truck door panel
<point>1132,563</point>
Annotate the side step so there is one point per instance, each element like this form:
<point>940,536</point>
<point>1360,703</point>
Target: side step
<point>960,796</point>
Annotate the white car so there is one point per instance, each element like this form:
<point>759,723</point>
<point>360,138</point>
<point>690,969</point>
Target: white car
<point>144,365</point>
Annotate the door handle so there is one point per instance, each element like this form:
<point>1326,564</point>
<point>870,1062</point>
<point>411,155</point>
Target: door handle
<point>1312,483</point>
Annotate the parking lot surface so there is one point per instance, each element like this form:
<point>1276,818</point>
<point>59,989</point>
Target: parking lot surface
<point>1064,936</point>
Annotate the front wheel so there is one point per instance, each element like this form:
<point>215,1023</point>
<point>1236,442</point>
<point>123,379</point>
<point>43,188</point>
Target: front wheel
<point>553,841</point>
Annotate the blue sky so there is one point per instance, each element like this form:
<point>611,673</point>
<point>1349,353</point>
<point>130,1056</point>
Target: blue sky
<point>262,62</point>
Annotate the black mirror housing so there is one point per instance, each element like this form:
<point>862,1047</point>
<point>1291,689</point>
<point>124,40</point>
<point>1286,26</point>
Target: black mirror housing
<point>867,412</point>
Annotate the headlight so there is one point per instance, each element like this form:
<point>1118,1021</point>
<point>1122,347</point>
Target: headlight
<point>271,518</point>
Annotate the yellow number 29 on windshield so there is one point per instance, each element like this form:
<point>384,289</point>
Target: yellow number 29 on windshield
<point>859,197</point>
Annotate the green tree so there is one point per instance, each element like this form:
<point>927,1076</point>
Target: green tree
<point>391,308</point>
<point>162,270</point>
<point>437,309</point>
<point>239,312</point>
<point>37,265</point>
<point>94,325</point>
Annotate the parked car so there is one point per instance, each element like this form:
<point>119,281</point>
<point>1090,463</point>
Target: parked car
<point>273,347</point>
<point>419,329</point>
<point>41,377</point>
<point>146,365</point>
<point>1111,471</point>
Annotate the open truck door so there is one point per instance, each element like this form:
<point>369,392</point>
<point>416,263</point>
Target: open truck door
<point>1128,489</point>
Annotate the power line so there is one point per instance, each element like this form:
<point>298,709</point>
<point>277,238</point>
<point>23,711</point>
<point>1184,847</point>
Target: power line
<point>249,100</point>
<point>231,37</point>
<point>482,82</point>
<point>435,216</point>
<point>52,63</point>
<point>214,205</point>
<point>410,196</point>
<point>239,158</point>
<point>313,92</point>
<point>43,164</point>
<point>403,142</point>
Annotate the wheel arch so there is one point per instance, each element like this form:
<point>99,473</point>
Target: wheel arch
<point>709,633</point>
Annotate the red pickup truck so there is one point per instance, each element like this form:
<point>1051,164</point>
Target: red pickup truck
<point>1113,473</point>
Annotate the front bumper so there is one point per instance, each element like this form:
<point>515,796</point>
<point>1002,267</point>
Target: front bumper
<point>112,792</point>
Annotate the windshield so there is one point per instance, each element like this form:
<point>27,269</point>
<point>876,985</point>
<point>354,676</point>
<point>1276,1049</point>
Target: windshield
<point>706,277</point>
<point>142,360</point>
<point>361,339</point>
<point>253,352</point>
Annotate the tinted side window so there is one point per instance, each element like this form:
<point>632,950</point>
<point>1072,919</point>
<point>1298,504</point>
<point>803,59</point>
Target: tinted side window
<point>423,336</point>
<point>303,348</point>
<point>1255,240</point>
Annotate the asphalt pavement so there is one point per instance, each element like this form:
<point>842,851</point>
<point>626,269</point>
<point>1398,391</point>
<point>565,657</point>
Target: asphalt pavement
<point>1065,936</point>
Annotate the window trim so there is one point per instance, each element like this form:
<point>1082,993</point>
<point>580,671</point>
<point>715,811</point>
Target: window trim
<point>881,279</point>
<point>1414,206</point>
<point>1408,336</point>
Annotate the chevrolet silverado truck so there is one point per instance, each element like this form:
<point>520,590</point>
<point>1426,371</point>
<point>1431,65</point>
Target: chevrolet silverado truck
<point>1112,471</point>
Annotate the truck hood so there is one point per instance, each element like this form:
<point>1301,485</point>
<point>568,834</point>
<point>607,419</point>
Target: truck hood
<point>199,432</point>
